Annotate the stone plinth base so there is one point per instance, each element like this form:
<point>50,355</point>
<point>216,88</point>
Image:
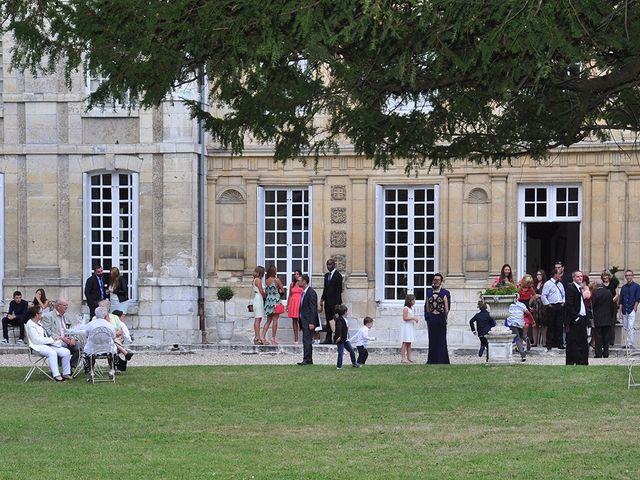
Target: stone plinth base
<point>500,345</point>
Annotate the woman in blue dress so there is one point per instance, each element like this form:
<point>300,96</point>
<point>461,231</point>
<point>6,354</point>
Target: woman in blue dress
<point>436,310</point>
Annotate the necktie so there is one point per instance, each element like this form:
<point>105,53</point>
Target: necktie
<point>101,287</point>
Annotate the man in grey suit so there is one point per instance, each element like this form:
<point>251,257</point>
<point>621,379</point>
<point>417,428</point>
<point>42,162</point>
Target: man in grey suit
<point>308,318</point>
<point>55,323</point>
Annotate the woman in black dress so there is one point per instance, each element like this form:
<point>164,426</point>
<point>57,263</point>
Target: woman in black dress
<point>436,312</point>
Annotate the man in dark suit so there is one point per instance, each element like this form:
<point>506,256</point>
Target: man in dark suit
<point>604,317</point>
<point>94,289</point>
<point>576,322</point>
<point>308,318</point>
<point>331,296</point>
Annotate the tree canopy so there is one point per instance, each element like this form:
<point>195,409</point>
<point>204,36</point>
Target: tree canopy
<point>430,81</point>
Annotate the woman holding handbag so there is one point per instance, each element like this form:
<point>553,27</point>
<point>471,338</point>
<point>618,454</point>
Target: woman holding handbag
<point>273,306</point>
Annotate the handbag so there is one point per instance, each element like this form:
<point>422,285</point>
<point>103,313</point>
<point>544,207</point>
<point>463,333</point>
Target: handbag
<point>120,363</point>
<point>279,309</point>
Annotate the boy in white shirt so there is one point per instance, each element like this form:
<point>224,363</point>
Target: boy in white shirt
<point>361,340</point>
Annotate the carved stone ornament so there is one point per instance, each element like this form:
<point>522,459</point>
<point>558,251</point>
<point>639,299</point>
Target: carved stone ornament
<point>338,215</point>
<point>338,238</point>
<point>231,195</point>
<point>338,192</point>
<point>341,262</point>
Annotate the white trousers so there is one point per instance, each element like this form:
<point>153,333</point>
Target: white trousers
<point>52,353</point>
<point>628,323</point>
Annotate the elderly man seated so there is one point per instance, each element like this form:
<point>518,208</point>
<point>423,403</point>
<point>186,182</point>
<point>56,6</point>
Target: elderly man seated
<point>55,323</point>
<point>122,332</point>
<point>99,321</point>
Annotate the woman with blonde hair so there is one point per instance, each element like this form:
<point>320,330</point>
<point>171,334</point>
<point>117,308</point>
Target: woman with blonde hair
<point>118,291</point>
<point>257,304</point>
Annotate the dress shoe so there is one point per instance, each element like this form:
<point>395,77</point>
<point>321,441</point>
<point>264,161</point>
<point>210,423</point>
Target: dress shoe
<point>58,379</point>
<point>305,363</point>
<point>67,377</point>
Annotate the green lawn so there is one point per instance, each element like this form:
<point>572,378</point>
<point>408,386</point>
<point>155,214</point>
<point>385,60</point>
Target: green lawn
<point>395,421</point>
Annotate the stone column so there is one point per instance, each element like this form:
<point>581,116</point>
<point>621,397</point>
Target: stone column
<point>633,222</point>
<point>596,229</point>
<point>251,253</point>
<point>455,236</point>
<point>358,248</point>
<point>212,222</point>
<point>617,207</point>
<point>498,223</point>
<point>319,235</point>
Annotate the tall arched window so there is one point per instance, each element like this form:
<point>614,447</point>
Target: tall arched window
<point>111,224</point>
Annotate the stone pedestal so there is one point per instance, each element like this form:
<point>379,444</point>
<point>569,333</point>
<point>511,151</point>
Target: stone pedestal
<point>500,341</point>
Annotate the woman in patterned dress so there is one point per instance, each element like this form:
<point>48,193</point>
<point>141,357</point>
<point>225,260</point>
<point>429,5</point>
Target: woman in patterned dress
<point>273,289</point>
<point>436,312</point>
<point>293,304</point>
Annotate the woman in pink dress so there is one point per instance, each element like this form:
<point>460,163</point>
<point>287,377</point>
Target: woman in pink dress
<point>293,304</point>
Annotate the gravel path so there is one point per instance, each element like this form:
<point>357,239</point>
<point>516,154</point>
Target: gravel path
<point>289,355</point>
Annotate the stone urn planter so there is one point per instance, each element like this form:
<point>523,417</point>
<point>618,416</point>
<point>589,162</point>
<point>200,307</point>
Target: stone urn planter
<point>500,338</point>
<point>224,328</point>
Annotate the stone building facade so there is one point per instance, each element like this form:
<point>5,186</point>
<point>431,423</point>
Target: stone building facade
<point>120,187</point>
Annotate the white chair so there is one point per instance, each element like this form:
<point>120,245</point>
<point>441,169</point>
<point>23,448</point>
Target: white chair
<point>633,361</point>
<point>103,347</point>
<point>37,362</point>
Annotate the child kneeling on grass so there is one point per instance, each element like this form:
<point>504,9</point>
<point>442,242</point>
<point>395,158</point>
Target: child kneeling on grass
<point>361,340</point>
<point>342,337</point>
<point>483,323</point>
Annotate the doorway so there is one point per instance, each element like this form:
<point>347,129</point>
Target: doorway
<point>546,242</point>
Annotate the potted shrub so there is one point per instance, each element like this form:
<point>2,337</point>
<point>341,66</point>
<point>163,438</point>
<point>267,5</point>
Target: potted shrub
<point>499,299</point>
<point>225,328</point>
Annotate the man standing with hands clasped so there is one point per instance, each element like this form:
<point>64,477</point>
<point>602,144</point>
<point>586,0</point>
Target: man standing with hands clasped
<point>331,296</point>
<point>308,318</point>
<point>576,322</point>
<point>94,289</point>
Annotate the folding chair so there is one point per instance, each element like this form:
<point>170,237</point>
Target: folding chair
<point>103,348</point>
<point>633,361</point>
<point>37,362</point>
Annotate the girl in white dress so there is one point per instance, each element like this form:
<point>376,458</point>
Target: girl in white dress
<point>408,329</point>
<point>258,304</point>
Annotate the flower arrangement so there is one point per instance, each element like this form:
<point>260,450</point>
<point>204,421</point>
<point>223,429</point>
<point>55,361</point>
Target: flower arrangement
<point>509,289</point>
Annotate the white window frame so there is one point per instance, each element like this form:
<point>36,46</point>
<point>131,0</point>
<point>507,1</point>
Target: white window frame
<point>380,240</point>
<point>115,108</point>
<point>135,232</point>
<point>551,215</point>
<point>261,229</point>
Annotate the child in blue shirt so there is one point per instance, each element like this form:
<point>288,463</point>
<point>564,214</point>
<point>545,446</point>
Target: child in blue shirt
<point>483,323</point>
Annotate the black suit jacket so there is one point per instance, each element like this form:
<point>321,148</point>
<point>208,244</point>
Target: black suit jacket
<point>309,309</point>
<point>332,292</point>
<point>571,304</point>
<point>603,307</point>
<point>92,290</point>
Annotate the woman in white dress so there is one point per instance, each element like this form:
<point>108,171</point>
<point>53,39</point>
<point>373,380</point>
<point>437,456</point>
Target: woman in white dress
<point>258,304</point>
<point>408,329</point>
